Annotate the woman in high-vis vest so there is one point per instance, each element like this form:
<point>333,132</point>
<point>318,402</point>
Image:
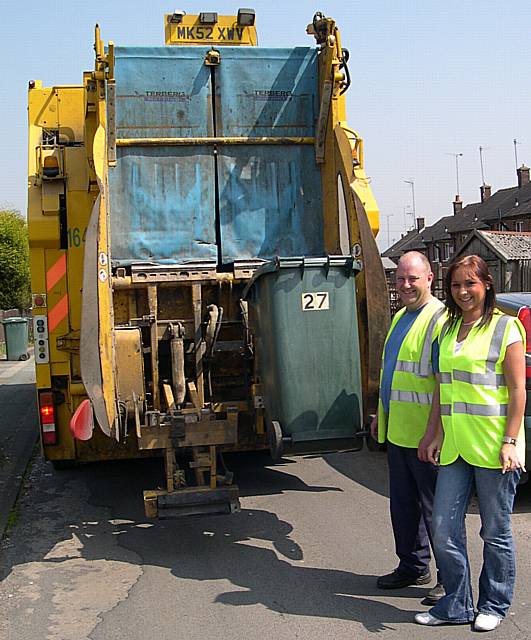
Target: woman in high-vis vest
<point>478,440</point>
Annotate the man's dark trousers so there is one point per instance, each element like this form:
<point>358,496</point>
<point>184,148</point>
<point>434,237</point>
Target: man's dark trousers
<point>412,487</point>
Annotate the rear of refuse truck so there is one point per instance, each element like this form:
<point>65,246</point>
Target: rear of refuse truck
<point>204,271</point>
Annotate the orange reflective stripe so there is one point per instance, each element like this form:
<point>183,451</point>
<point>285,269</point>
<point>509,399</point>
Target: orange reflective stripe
<point>56,272</point>
<point>58,313</point>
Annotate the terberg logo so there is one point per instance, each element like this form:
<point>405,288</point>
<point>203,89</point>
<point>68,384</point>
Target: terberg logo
<point>271,94</point>
<point>166,96</point>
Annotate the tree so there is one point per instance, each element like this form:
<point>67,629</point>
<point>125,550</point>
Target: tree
<point>14,261</point>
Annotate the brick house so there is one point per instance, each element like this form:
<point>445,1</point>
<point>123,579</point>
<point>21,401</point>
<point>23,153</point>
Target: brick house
<point>507,210</point>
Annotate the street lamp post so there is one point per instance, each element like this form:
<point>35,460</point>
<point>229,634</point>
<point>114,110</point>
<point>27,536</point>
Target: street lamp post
<point>412,184</point>
<point>456,156</point>
<point>515,142</point>
<point>481,150</point>
<point>388,215</point>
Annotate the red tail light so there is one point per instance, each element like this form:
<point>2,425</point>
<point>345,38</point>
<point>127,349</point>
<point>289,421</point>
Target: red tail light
<point>47,416</point>
<point>524,315</point>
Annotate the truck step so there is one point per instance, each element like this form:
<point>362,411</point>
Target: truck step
<point>191,501</point>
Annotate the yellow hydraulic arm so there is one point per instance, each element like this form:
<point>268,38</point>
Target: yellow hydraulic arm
<point>350,210</point>
<point>97,324</point>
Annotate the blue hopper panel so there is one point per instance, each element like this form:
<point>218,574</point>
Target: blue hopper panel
<point>162,198</point>
<point>270,202</point>
<point>163,205</point>
<point>162,92</point>
<point>267,92</point>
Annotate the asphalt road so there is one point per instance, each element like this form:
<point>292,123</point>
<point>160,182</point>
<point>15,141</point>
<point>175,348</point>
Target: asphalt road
<point>299,561</point>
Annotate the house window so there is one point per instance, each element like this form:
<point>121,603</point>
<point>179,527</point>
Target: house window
<point>519,225</point>
<point>436,253</point>
<point>445,252</point>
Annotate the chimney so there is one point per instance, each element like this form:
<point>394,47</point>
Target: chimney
<point>420,224</point>
<point>458,205</point>
<point>523,175</point>
<point>486,191</point>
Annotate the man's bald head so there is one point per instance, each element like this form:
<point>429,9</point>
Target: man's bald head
<point>413,280</point>
<point>412,257</point>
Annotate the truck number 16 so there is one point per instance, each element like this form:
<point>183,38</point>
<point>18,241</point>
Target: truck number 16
<point>317,301</point>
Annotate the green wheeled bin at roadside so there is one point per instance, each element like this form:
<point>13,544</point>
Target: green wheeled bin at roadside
<point>302,314</point>
<point>16,336</point>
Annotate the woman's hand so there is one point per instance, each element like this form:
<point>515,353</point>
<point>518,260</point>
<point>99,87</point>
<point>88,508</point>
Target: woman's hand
<point>433,450</point>
<point>424,445</point>
<point>509,458</point>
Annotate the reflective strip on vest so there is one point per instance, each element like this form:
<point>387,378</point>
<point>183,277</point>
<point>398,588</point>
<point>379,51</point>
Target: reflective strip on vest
<point>446,409</point>
<point>496,345</point>
<point>425,369</point>
<point>407,366</point>
<point>422,368</point>
<point>489,379</point>
<point>484,410</point>
<point>411,396</point>
<point>444,329</point>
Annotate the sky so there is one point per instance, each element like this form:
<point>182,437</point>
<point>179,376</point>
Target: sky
<point>430,80</point>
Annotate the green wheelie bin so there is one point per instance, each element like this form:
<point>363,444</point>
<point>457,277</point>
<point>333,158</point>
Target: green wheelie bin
<point>16,335</point>
<point>302,314</point>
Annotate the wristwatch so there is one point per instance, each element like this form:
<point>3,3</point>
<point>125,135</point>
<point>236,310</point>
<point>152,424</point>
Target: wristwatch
<point>509,440</point>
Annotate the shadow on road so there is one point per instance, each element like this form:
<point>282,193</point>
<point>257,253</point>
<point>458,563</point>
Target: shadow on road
<point>369,469</point>
<point>254,550</point>
<point>256,475</point>
<point>366,468</point>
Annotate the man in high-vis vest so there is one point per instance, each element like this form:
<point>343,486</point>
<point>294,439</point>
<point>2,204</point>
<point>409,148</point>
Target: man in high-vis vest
<point>406,386</point>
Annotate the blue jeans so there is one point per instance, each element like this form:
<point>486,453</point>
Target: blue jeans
<point>495,492</point>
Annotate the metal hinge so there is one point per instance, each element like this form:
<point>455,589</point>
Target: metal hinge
<point>69,342</point>
<point>212,58</point>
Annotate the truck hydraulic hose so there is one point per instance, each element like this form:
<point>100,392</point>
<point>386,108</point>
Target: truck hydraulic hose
<point>344,66</point>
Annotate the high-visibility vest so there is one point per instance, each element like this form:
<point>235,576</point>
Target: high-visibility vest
<point>413,380</point>
<point>474,395</point>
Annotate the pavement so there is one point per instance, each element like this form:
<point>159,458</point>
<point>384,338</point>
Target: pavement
<point>18,430</point>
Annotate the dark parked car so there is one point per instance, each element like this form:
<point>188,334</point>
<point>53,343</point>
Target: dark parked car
<point>519,305</point>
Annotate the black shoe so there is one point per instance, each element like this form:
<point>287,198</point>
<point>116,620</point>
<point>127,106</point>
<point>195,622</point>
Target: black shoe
<point>434,595</point>
<point>398,580</point>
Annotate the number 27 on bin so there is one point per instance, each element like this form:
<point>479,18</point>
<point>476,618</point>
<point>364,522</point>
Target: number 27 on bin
<point>317,301</point>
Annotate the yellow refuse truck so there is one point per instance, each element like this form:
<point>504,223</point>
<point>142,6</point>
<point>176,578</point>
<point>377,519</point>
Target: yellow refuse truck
<point>204,271</point>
